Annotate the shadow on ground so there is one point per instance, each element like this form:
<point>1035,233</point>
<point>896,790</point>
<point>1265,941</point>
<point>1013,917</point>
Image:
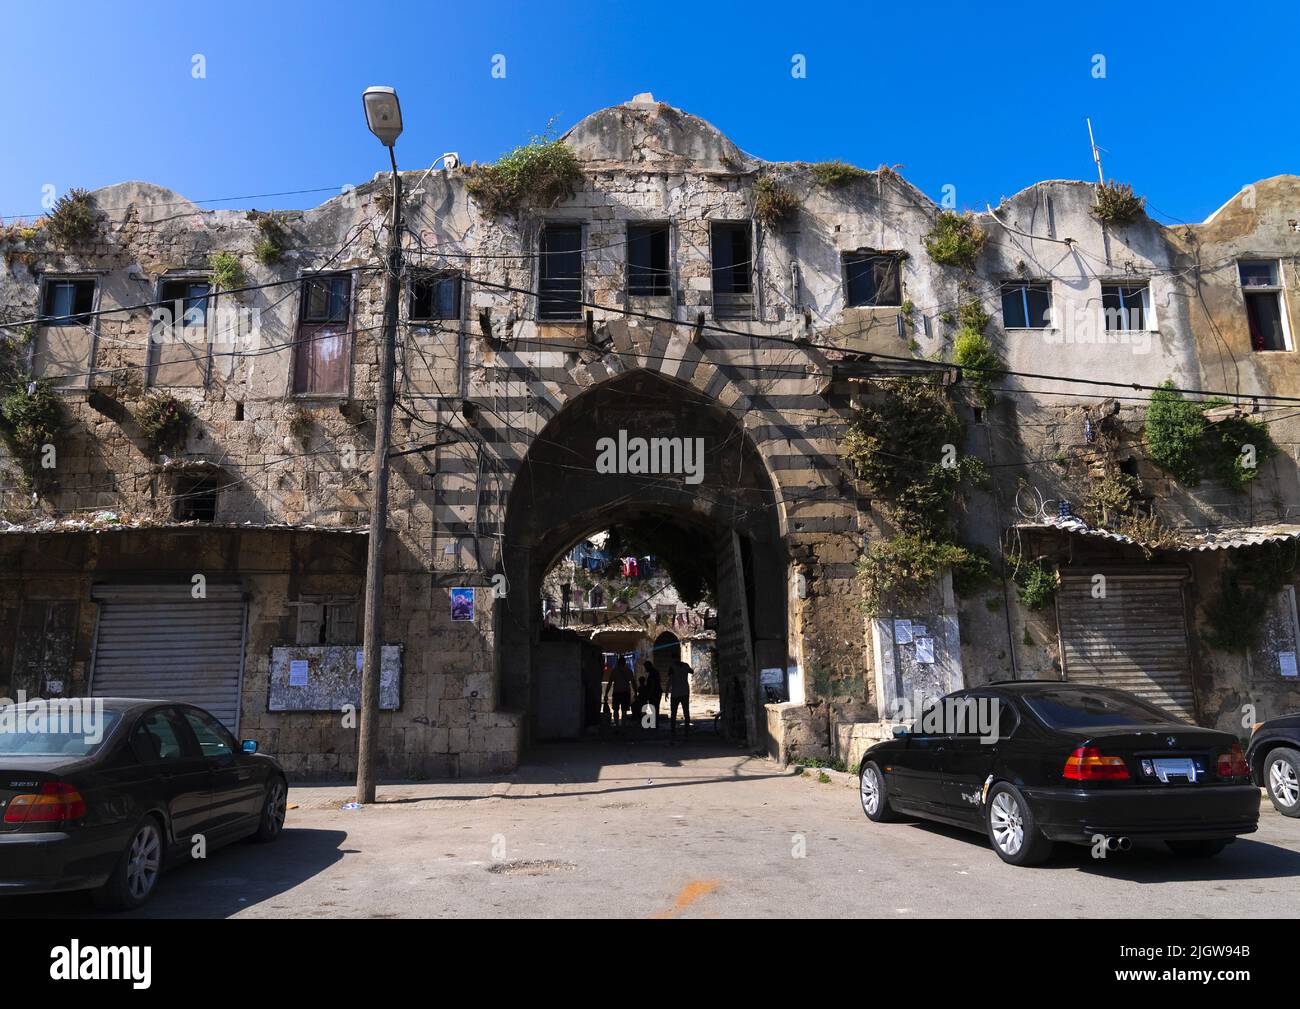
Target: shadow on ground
<point>228,881</point>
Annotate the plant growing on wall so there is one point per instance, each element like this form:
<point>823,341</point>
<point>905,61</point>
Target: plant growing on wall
<point>164,421</point>
<point>30,418</point>
<point>1182,440</point>
<point>904,449</point>
<point>955,240</point>
<point>1036,584</point>
<point>1246,589</point>
<point>1117,203</point>
<point>541,172</point>
<point>71,221</point>
<point>227,271</point>
<point>981,363</point>
<point>774,203</point>
<point>272,239</point>
<point>837,174</point>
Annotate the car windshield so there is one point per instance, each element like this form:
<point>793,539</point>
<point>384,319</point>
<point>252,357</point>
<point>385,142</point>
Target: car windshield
<point>71,728</point>
<point>1081,708</point>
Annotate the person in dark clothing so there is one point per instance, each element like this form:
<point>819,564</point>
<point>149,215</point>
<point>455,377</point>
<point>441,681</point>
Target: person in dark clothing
<point>653,687</point>
<point>679,686</point>
<point>621,692</point>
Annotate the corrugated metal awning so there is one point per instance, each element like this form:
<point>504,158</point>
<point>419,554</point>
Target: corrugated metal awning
<point>1223,538</point>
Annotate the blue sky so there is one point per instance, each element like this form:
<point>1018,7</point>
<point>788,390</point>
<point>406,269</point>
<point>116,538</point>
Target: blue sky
<point>1195,102</point>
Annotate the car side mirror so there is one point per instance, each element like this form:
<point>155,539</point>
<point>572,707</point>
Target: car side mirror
<point>901,732</point>
<point>249,745</point>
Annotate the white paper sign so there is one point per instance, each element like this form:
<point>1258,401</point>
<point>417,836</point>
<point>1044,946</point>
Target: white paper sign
<point>298,673</point>
<point>903,632</point>
<point>360,659</point>
<point>925,650</point>
<point>1287,661</point>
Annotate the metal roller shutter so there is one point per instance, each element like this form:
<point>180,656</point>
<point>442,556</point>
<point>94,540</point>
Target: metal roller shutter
<point>156,641</point>
<point>1134,639</point>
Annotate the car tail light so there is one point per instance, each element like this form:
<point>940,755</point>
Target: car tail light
<point>55,802</point>
<point>1088,763</point>
<point>1232,764</point>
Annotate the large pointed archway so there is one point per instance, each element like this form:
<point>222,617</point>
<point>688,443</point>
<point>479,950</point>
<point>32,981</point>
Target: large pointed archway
<point>565,489</point>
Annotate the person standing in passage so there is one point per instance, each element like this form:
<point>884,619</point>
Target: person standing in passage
<point>654,687</point>
<point>679,689</point>
<point>622,692</point>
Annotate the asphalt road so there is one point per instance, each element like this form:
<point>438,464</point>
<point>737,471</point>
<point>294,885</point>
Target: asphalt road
<point>654,831</point>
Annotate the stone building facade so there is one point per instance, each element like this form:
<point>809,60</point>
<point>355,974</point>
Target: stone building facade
<point>723,329</point>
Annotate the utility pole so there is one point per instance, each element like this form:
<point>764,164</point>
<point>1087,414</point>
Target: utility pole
<point>384,117</point>
<point>1096,155</point>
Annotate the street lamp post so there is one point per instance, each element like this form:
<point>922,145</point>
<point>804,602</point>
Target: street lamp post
<point>384,117</point>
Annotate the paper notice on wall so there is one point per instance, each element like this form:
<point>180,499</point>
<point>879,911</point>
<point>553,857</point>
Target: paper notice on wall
<point>361,659</point>
<point>903,632</point>
<point>298,673</point>
<point>1286,661</point>
<point>925,650</point>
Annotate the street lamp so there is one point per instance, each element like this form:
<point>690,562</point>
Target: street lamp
<point>384,117</point>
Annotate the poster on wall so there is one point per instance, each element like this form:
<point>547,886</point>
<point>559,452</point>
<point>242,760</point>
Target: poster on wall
<point>925,651</point>
<point>462,604</point>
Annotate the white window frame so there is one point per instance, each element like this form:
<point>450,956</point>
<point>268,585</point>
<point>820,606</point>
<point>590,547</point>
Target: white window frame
<point>1148,309</point>
<point>1024,301</point>
<point>1278,290</point>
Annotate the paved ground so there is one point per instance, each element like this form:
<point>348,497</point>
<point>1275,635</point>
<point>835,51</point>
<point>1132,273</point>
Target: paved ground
<point>647,830</point>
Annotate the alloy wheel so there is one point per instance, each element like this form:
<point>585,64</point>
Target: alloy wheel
<point>143,862</point>
<point>1283,783</point>
<point>1007,822</point>
<point>277,804</point>
<point>870,787</point>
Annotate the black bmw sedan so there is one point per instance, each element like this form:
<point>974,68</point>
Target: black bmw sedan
<point>1031,763</point>
<point>101,794</point>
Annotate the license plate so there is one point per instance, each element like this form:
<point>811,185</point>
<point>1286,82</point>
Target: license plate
<point>1175,769</point>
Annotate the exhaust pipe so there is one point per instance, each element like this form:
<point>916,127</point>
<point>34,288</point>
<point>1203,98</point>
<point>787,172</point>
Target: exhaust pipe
<point>1118,844</point>
<point>1125,844</point>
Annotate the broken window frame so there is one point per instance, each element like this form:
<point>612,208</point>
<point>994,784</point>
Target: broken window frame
<point>647,279</point>
<point>327,619</point>
<point>202,329</point>
<point>314,328</point>
<point>432,279</point>
<point>1273,293</point>
<point>892,263</point>
<point>1024,287</point>
<point>1123,312</point>
<point>738,301</point>
<point>560,297</point>
<point>86,321</point>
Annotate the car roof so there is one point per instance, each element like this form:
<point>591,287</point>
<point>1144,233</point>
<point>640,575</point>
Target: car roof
<point>1042,686</point>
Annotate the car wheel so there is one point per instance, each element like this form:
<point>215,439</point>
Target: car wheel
<point>1282,779</point>
<point>137,870</point>
<point>1012,828</point>
<point>872,792</point>
<point>1199,849</point>
<point>274,807</point>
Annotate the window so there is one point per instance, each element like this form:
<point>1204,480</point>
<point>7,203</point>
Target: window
<point>196,498</point>
<point>214,740</point>
<point>1126,306</point>
<point>647,260</point>
<point>1261,287</point>
<point>733,296</point>
<point>327,620</point>
<point>1026,305</point>
<point>872,278</point>
<point>65,343</point>
<point>434,296</point>
<point>68,302</point>
<point>159,737</point>
<point>324,347</point>
<point>178,336</point>
<point>560,273</point>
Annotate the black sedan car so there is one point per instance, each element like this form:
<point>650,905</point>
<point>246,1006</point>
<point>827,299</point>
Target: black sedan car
<point>101,794</point>
<point>1274,758</point>
<point>1032,763</point>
